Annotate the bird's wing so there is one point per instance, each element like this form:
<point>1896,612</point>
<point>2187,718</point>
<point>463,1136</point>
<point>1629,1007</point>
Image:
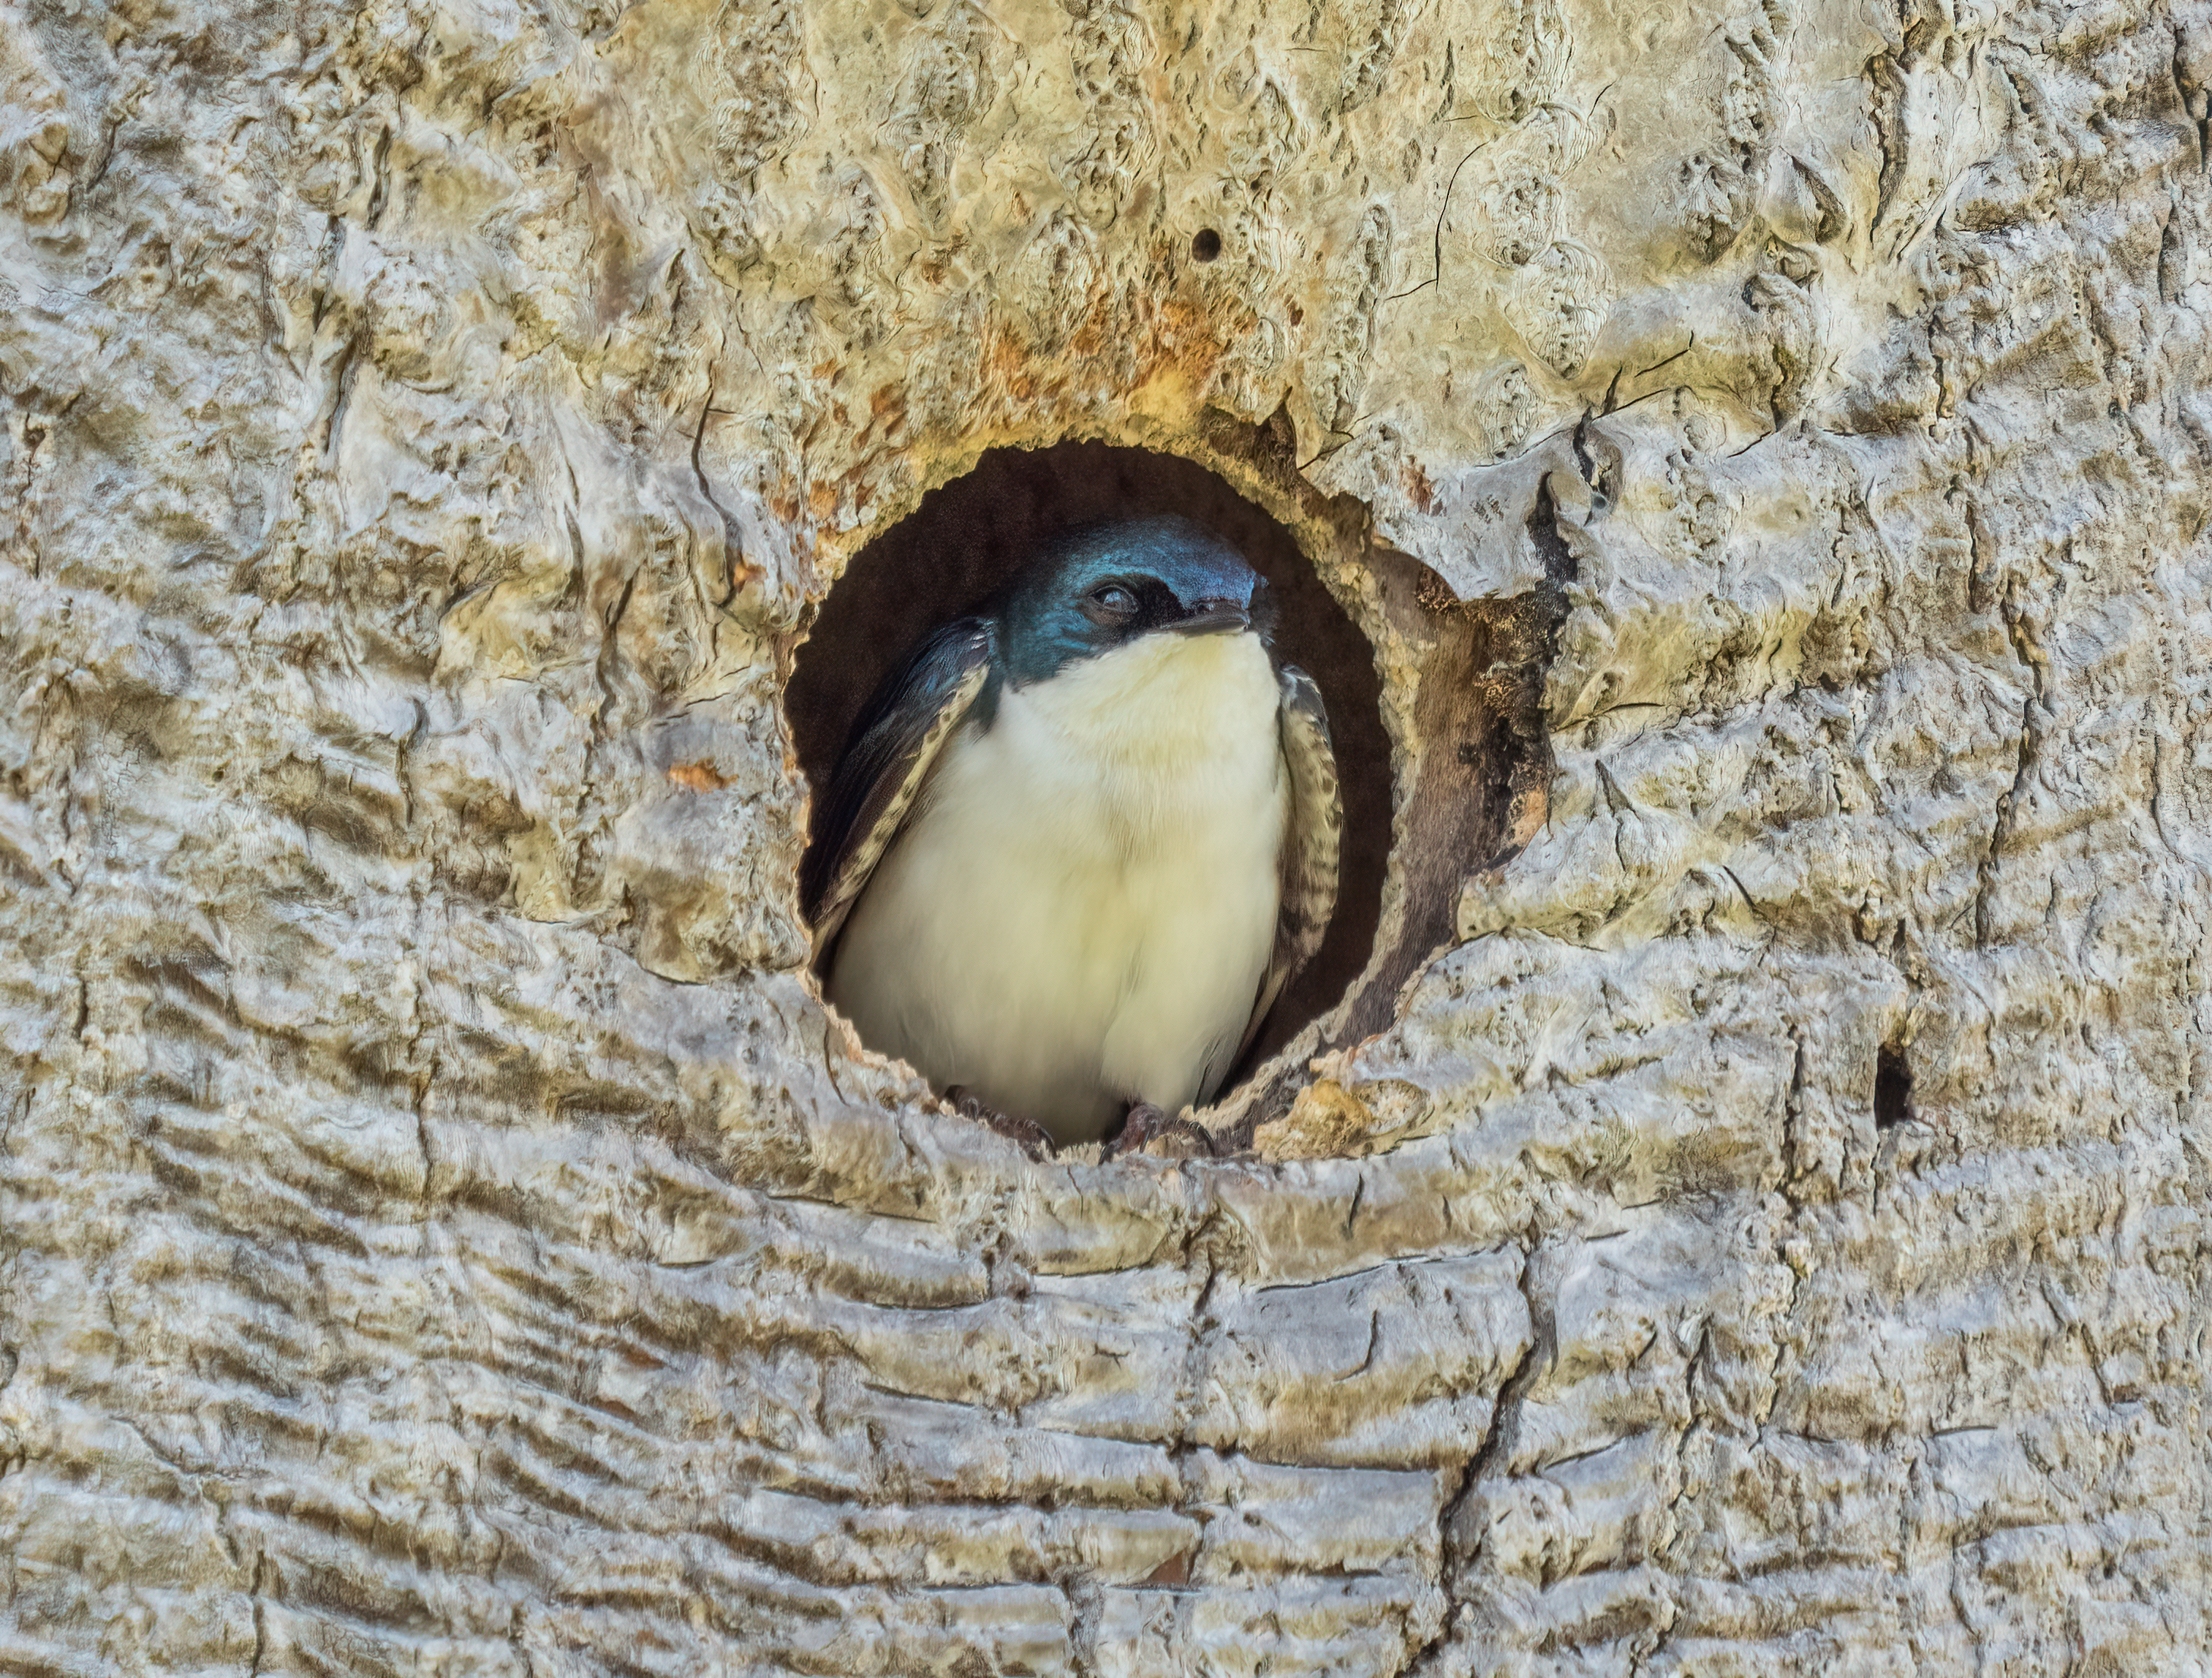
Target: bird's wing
<point>1310,843</point>
<point>882,772</point>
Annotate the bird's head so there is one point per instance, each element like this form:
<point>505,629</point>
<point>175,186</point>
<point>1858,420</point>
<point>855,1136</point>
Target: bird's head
<point>1103,586</point>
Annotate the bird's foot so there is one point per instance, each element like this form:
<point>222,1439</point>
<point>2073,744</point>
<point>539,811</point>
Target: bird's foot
<point>1035,1140</point>
<point>1147,1128</point>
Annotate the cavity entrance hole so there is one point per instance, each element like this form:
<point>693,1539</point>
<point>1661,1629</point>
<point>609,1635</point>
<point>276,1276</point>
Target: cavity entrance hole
<point>968,538</point>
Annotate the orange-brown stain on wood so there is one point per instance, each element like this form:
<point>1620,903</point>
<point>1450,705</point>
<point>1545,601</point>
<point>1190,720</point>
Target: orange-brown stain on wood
<point>1419,486</point>
<point>1184,339</point>
<point>699,777</point>
<point>886,416</point>
<point>1176,339</point>
<point>1007,365</point>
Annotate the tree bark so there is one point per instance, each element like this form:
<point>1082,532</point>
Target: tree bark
<point>444,1231</point>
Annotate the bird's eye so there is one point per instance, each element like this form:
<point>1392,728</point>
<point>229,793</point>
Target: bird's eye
<point>1116,597</point>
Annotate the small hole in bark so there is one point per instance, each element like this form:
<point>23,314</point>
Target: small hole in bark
<point>1893,1087</point>
<point>1206,245</point>
<point>966,539</point>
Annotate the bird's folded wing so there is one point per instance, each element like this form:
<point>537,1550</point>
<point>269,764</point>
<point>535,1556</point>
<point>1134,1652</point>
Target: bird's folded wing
<point>1309,843</point>
<point>897,740</point>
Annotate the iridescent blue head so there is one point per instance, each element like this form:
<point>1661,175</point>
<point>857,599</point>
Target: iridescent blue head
<point>1102,587</point>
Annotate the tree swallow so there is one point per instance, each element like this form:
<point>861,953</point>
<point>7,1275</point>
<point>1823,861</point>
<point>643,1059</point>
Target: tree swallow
<point>1078,843</point>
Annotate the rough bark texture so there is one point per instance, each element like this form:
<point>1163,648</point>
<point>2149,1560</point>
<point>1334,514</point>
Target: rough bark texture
<point>444,1233</point>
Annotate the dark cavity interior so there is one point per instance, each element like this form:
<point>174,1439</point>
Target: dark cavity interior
<point>1893,1087</point>
<point>968,538</point>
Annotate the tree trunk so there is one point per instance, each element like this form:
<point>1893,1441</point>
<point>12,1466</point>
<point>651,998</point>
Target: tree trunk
<point>444,1230</point>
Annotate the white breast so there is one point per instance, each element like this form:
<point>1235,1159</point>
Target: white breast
<point>1081,912</point>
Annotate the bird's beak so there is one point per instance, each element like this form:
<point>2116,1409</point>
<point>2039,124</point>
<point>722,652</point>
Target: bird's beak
<point>1214,617</point>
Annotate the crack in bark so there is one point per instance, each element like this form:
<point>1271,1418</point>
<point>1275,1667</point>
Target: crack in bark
<point>2028,650</point>
<point>733,555</point>
<point>1490,1451</point>
<point>260,1623</point>
<point>1886,114</point>
<point>349,358</point>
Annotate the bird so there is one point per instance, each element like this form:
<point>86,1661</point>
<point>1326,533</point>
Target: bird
<point>1080,841</point>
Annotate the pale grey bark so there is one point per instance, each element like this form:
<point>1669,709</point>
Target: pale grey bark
<point>443,1230</point>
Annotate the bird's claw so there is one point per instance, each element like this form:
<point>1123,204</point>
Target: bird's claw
<point>1036,1141</point>
<point>1146,1125</point>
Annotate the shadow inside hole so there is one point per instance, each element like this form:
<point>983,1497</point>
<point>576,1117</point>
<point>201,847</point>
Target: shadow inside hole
<point>1893,1087</point>
<point>966,539</point>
